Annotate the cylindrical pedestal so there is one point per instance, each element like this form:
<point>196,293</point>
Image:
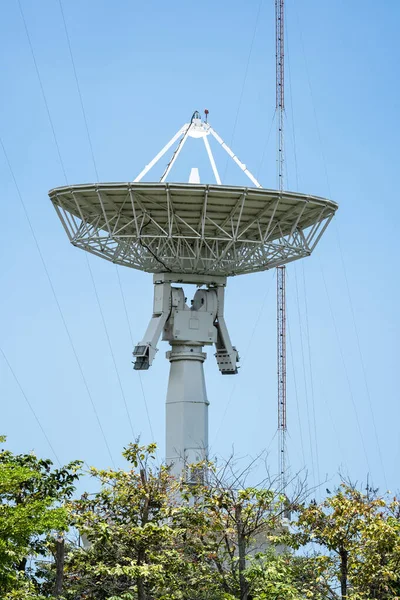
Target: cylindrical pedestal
<point>186,409</point>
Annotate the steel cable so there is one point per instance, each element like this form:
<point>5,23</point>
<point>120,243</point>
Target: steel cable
<point>345,370</point>
<point>244,82</point>
<point>56,298</point>
<point>245,355</point>
<point>29,404</point>
<point>34,235</point>
<point>311,374</point>
<point>133,344</point>
<point>90,270</point>
<point>295,389</point>
<point>305,378</point>
<point>359,349</point>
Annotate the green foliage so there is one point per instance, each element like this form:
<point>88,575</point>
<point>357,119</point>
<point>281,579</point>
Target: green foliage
<point>225,524</point>
<point>272,576</point>
<point>132,547</point>
<point>25,591</point>
<point>150,537</point>
<point>31,496</point>
<point>361,536</point>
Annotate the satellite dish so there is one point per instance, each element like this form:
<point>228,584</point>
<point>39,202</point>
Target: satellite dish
<point>191,233</point>
<point>192,228</point>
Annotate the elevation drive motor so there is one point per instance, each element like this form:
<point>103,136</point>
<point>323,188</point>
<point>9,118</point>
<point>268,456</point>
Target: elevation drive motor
<point>200,324</point>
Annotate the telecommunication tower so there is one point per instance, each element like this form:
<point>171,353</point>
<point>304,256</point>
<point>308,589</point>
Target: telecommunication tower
<point>281,354</point>
<point>191,233</point>
<point>281,270</point>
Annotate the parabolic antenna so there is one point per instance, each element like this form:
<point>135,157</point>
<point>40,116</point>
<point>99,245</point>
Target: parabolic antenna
<point>192,228</point>
<point>191,233</point>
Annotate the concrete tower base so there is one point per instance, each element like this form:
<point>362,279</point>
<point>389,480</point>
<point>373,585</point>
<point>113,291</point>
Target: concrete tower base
<point>186,409</point>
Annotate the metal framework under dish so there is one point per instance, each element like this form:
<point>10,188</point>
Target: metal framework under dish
<point>192,228</point>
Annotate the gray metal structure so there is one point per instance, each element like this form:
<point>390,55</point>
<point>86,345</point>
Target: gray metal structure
<point>195,234</point>
<point>281,270</point>
<point>192,228</point>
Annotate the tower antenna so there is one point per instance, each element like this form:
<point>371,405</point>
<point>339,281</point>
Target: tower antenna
<point>281,270</point>
<point>280,87</point>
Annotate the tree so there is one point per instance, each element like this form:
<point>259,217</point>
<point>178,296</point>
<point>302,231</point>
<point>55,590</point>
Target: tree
<point>153,537</point>
<point>274,576</point>
<point>230,523</point>
<point>31,496</point>
<point>361,534</point>
<point>133,551</point>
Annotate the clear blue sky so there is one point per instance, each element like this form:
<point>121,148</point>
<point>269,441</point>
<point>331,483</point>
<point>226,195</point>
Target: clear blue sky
<point>143,68</point>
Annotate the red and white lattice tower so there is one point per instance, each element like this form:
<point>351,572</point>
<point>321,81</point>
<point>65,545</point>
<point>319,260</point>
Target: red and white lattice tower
<point>281,271</point>
<point>281,344</point>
